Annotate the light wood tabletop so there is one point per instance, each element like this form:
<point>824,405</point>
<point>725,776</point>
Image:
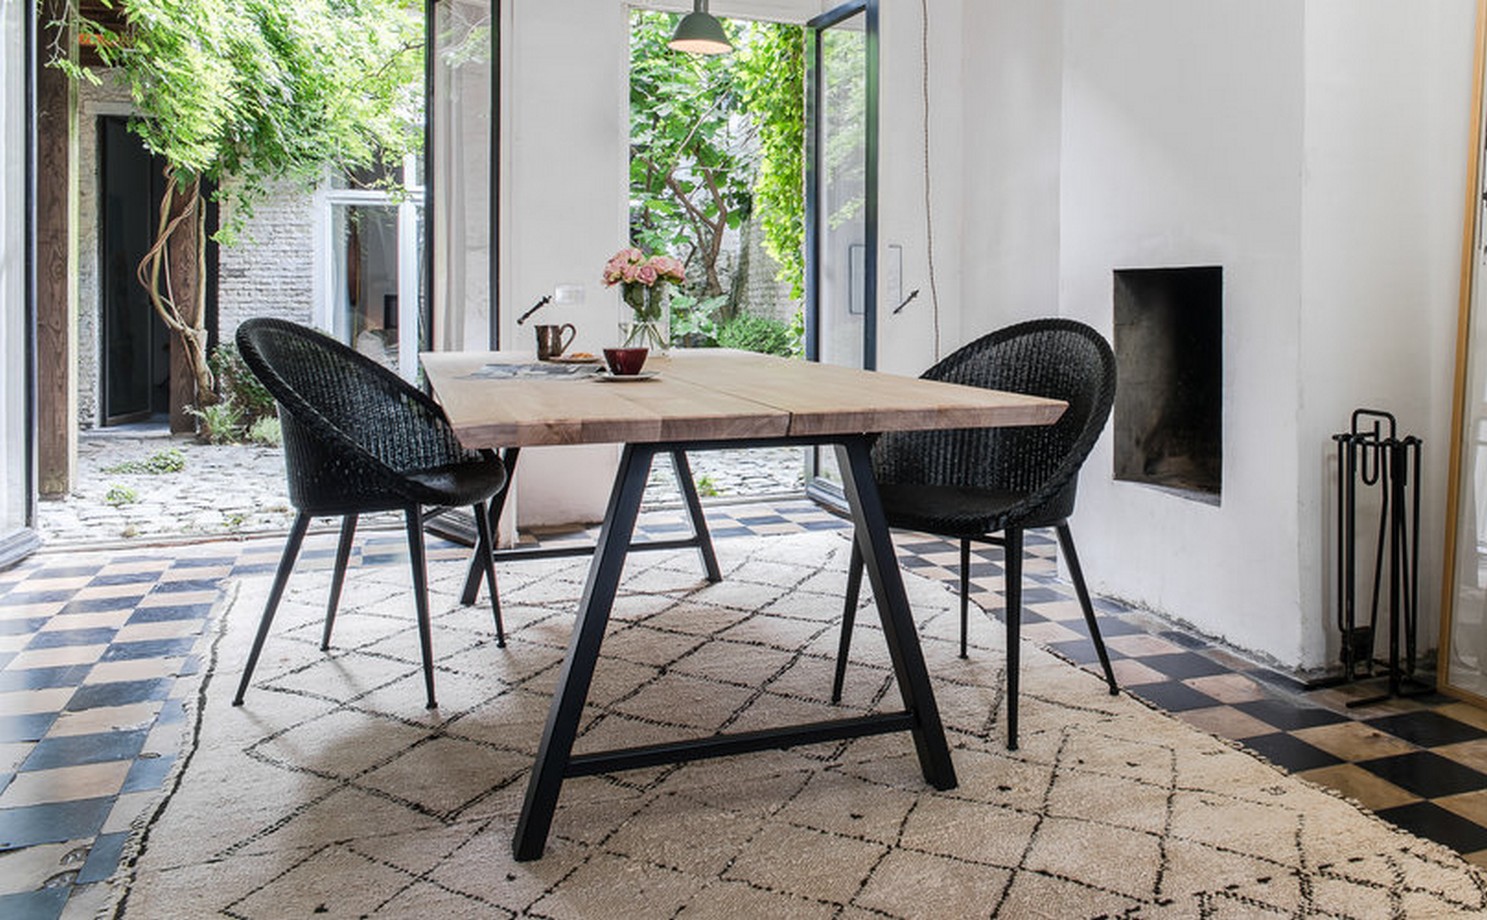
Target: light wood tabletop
<point>702,395</point>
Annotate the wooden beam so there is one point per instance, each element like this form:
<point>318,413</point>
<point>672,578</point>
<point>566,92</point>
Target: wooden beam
<point>56,268</point>
<point>184,249</point>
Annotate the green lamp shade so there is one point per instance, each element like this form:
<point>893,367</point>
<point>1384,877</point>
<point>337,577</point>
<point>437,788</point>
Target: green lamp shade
<point>700,33</point>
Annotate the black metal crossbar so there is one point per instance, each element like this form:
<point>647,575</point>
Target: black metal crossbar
<point>723,745</point>
<point>701,539</point>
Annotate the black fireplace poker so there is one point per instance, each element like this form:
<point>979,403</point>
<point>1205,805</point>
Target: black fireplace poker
<point>1371,457</point>
<point>534,308</point>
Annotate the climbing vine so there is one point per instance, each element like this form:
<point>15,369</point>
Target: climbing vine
<point>237,94</point>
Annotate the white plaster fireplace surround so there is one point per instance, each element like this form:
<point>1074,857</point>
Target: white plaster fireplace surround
<point>1309,148</point>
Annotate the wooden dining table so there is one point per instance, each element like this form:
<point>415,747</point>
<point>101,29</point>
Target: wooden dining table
<point>699,400</point>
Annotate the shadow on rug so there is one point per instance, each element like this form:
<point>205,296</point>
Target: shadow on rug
<point>333,792</point>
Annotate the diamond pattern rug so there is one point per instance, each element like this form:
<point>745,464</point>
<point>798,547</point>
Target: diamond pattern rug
<point>332,791</point>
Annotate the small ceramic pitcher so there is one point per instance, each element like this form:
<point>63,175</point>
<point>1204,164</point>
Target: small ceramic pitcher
<point>551,340</point>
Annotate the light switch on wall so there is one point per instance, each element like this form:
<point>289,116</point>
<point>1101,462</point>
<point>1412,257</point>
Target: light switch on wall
<point>892,275</point>
<point>568,294</point>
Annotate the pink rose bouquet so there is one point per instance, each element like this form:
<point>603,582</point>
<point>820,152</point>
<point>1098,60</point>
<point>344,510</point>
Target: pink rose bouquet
<point>643,279</point>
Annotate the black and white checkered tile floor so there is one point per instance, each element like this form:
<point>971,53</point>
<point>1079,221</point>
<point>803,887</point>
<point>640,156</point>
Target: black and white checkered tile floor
<point>92,645</point>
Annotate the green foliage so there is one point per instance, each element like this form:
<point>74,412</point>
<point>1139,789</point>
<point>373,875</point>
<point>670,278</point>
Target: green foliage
<point>692,323</point>
<point>246,92</point>
<point>706,487</point>
<point>757,333</point>
<point>716,140</point>
<point>690,172</point>
<point>120,495</point>
<point>797,334</point>
<point>219,423</point>
<point>845,111</point>
<point>266,431</point>
<point>169,460</point>
<point>771,79</point>
<point>238,385</point>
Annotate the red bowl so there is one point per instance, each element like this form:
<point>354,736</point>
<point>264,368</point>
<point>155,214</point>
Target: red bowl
<point>625,362</point>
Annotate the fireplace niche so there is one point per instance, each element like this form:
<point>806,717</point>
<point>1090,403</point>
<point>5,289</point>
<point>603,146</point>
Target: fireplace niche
<point>1168,419</point>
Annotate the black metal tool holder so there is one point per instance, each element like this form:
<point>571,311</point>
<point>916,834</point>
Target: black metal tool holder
<point>1370,459</point>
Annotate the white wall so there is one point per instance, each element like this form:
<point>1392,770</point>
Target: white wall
<point>907,341</point>
<point>1012,107</point>
<point>1182,146</point>
<point>1388,96</point>
<point>1314,150</point>
<point>15,440</point>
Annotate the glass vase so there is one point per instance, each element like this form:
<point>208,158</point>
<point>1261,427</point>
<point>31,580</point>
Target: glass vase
<point>649,324</point>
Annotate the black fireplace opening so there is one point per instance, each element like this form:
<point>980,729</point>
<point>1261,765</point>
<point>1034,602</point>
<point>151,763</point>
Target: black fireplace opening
<point>1168,423</point>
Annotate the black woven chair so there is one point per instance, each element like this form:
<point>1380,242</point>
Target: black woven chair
<point>991,484</point>
<point>358,439</point>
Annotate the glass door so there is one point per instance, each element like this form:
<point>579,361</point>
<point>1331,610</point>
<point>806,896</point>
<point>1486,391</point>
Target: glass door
<point>841,202</point>
<point>1462,667</point>
<point>372,258</point>
<point>17,498</point>
<point>461,174</point>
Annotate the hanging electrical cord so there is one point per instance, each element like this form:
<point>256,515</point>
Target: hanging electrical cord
<point>929,222</point>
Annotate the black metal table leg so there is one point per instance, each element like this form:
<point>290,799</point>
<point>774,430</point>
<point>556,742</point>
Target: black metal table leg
<point>876,544</point>
<point>555,758</point>
<point>497,505</point>
<point>701,538</point>
<point>556,747</point>
<point>694,511</point>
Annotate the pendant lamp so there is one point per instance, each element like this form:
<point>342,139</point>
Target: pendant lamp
<point>700,33</point>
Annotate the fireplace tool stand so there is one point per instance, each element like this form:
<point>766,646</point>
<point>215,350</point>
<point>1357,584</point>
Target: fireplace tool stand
<point>1371,458</point>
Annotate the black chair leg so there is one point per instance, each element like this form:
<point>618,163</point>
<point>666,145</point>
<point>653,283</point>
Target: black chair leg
<point>485,547</point>
<point>281,578</point>
<point>849,618</point>
<point>1012,589</point>
<point>1066,544</point>
<point>343,557</point>
<point>965,591</point>
<point>421,598</point>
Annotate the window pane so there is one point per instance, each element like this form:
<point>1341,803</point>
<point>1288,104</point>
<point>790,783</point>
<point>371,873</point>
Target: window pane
<point>463,109</point>
<point>364,269</point>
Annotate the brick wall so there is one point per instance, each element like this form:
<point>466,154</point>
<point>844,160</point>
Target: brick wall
<point>270,270</point>
<point>762,295</point>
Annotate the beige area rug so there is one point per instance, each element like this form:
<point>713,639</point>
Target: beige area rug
<point>332,792</point>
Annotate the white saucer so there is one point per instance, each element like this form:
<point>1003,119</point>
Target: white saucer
<point>605,376</point>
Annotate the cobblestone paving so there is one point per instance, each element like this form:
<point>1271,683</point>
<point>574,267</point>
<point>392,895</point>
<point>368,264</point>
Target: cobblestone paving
<point>227,490</point>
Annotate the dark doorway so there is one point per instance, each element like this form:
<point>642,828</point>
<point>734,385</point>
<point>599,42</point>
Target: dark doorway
<point>135,343</point>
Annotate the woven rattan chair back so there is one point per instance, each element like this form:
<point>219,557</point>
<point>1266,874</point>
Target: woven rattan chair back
<point>353,429</point>
<point>1056,358</point>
